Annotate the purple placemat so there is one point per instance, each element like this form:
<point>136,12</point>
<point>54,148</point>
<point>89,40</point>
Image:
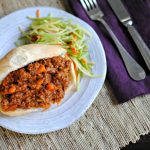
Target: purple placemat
<point>124,87</point>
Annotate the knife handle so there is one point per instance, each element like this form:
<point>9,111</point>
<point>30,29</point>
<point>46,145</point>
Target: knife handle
<point>143,48</point>
<point>135,71</point>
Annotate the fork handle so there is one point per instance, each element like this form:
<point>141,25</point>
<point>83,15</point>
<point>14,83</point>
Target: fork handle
<point>135,71</point>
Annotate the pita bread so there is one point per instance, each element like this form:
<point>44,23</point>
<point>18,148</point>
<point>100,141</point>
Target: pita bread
<point>22,56</point>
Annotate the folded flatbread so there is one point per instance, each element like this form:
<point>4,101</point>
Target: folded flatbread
<point>34,76</point>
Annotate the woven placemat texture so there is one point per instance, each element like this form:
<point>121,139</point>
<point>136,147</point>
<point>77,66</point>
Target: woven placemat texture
<point>105,126</point>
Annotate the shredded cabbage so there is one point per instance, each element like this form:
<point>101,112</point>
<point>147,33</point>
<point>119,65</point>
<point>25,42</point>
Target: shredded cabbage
<point>57,31</point>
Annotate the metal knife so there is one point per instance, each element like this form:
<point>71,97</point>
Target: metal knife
<point>126,19</point>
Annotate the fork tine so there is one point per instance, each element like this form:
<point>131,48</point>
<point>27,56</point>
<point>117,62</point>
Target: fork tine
<point>87,4</point>
<point>83,4</point>
<point>95,3</point>
<point>92,4</point>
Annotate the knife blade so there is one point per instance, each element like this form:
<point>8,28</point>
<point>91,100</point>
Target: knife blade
<point>124,17</point>
<point>119,10</point>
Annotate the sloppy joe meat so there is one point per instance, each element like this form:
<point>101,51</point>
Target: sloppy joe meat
<point>37,85</point>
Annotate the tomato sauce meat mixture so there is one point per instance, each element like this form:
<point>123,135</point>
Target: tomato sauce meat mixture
<point>37,85</point>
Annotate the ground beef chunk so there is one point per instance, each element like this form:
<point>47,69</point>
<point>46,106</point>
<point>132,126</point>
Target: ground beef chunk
<point>36,85</point>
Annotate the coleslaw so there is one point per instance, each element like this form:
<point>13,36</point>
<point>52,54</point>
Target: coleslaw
<point>57,31</point>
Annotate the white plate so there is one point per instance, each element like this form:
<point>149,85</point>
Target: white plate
<point>74,104</point>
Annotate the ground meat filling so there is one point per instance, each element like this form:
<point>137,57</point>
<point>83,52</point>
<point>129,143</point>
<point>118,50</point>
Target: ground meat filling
<point>37,85</point>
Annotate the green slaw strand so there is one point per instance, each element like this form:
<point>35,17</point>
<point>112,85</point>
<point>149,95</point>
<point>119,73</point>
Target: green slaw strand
<point>57,31</point>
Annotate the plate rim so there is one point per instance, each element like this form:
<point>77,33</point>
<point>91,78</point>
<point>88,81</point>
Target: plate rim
<point>95,92</point>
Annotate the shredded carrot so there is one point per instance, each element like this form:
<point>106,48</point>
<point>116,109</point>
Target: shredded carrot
<point>12,89</point>
<point>41,69</point>
<point>38,13</point>
<point>75,69</point>
<point>74,51</point>
<point>50,87</point>
<point>39,83</point>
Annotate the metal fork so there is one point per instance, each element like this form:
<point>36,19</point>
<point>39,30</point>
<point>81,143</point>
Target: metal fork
<point>135,71</point>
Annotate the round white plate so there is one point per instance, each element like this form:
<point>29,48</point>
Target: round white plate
<point>74,104</point>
